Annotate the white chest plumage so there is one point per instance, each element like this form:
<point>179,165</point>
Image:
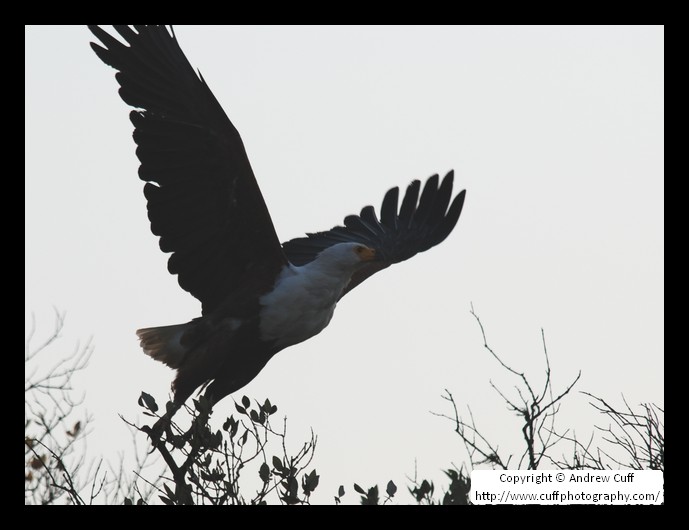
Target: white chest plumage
<point>301,304</point>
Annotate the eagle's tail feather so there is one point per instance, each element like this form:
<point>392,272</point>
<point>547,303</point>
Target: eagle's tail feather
<point>165,343</point>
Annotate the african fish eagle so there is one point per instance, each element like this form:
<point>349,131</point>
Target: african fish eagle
<point>258,296</point>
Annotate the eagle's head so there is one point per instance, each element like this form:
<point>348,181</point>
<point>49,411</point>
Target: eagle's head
<point>346,256</point>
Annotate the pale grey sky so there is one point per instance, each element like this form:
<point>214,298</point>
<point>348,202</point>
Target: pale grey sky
<point>555,132</point>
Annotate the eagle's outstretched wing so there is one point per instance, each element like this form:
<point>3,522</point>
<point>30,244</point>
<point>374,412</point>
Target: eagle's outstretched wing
<point>203,199</point>
<point>421,223</point>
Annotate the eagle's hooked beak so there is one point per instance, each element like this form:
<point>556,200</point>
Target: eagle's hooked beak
<point>366,253</point>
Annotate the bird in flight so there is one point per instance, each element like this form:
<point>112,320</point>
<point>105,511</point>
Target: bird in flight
<point>258,296</point>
